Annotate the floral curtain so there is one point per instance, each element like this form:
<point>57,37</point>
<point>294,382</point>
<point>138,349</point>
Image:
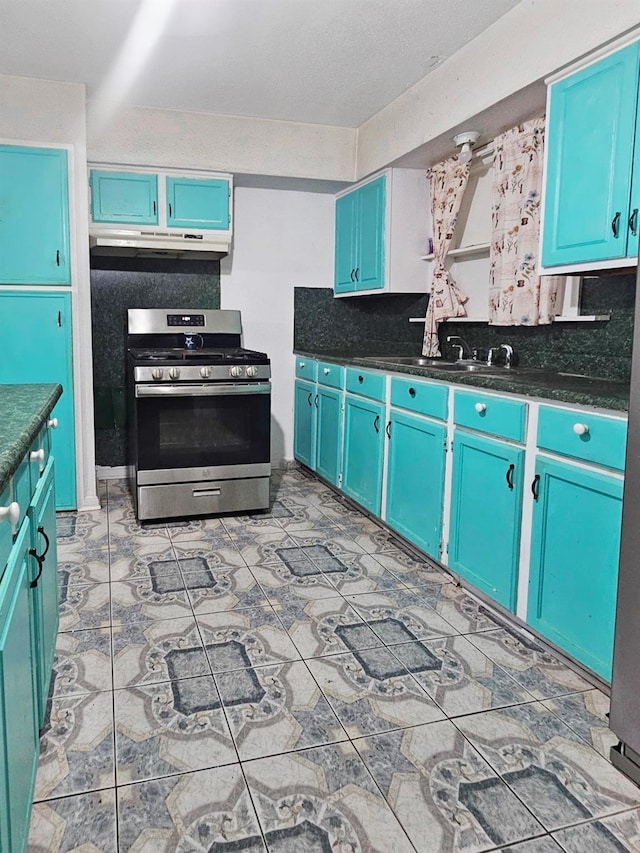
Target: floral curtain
<point>518,296</point>
<point>448,182</point>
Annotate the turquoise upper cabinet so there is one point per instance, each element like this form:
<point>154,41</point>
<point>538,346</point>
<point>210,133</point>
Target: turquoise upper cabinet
<point>128,197</point>
<point>18,711</point>
<point>382,228</point>
<point>35,329</point>
<point>304,436</point>
<point>34,216</point>
<point>415,479</point>
<point>574,560</point>
<point>197,203</point>
<point>485,514</point>
<point>363,451</point>
<point>329,434</point>
<point>589,205</point>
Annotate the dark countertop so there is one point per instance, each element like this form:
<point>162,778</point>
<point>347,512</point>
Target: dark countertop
<point>23,410</point>
<point>580,390</point>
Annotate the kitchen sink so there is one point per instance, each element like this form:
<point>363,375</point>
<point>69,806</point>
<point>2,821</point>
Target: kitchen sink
<point>411,360</point>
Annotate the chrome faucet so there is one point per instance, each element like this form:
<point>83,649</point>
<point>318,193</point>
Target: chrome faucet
<point>490,355</point>
<point>464,350</point>
<point>508,354</point>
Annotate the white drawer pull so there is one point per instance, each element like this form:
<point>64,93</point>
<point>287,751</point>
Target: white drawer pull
<point>326,371</point>
<point>480,408</point>
<point>52,423</point>
<point>37,455</point>
<point>581,429</point>
<point>301,364</point>
<point>10,513</point>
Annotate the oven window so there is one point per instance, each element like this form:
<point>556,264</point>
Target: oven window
<point>188,432</point>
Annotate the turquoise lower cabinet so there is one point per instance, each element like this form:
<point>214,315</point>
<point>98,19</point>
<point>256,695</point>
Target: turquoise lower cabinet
<point>574,560</point>
<point>415,480</point>
<point>35,329</point>
<point>18,700</point>
<point>200,203</point>
<point>363,451</point>
<point>304,436</point>
<point>34,216</point>
<point>329,434</point>
<point>126,197</point>
<point>44,592</point>
<point>486,506</point>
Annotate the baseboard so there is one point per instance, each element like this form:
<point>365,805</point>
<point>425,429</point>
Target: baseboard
<point>114,472</point>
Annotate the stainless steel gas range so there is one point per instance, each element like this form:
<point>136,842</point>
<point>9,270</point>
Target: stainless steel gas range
<point>199,414</point>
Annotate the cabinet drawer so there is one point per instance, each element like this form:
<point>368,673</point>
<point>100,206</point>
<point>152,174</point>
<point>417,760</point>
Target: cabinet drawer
<point>583,435</point>
<point>366,384</point>
<point>330,374</point>
<point>6,538</point>
<point>306,368</point>
<point>425,398</point>
<point>493,415</point>
<point>39,456</point>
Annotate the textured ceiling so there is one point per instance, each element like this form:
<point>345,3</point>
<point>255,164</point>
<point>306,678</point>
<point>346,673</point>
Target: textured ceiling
<point>334,62</point>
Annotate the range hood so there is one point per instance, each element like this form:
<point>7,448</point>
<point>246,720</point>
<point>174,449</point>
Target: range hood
<point>157,244</point>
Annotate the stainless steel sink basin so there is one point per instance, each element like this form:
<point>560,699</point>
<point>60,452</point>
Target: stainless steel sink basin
<point>411,360</point>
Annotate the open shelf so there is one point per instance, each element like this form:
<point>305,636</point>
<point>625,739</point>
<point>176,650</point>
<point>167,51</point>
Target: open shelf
<point>578,318</point>
<point>464,251</point>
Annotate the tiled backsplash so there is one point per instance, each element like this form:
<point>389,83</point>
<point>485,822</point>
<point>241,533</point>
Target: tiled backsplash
<point>378,325</point>
<point>116,285</point>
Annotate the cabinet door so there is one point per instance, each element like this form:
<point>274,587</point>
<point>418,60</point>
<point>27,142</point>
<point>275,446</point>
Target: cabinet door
<point>590,141</point>
<point>35,329</point>
<point>329,434</point>
<point>574,561</point>
<point>485,514</point>
<point>44,572</point>
<point>127,197</point>
<point>304,435</point>
<point>345,261</point>
<point>363,452</point>
<point>415,480</point>
<point>633,243</point>
<point>370,240</point>
<point>198,203</point>
<point>34,216</point>
<point>18,712</point>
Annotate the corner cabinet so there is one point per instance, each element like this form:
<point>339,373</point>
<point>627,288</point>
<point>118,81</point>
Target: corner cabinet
<point>381,233</point>
<point>34,216</point>
<point>592,182</point>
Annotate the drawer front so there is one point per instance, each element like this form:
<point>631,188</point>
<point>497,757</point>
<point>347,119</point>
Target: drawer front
<point>366,384</point>
<point>306,368</point>
<point>493,415</point>
<point>425,398</point>
<point>6,537</point>
<point>39,456</point>
<point>582,435</point>
<point>330,374</point>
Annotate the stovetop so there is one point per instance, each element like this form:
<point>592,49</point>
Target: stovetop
<point>204,355</point>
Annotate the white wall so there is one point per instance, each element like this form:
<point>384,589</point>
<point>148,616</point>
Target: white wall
<point>282,239</point>
<point>42,112</point>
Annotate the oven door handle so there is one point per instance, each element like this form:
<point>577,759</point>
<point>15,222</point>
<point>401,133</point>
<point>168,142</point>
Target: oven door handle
<point>211,390</point>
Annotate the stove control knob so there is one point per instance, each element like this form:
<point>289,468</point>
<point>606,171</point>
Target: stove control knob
<point>205,372</point>
<point>236,370</point>
<point>174,373</point>
<point>252,371</point>
<point>157,373</point>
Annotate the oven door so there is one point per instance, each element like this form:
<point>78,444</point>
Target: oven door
<point>186,433</point>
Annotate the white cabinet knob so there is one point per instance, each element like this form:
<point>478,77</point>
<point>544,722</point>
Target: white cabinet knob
<point>10,513</point>
<point>52,423</point>
<point>326,371</point>
<point>581,429</point>
<point>37,455</point>
<point>301,364</point>
<point>480,408</point>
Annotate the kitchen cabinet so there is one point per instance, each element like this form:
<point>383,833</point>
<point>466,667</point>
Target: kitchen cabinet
<point>198,203</point>
<point>486,506</point>
<point>592,185</point>
<point>329,433</point>
<point>363,451</point>
<point>318,418</point>
<point>415,479</point>
<point>381,232</point>
<point>304,436</point>
<point>36,332</point>
<point>129,197</point>
<point>34,216</point>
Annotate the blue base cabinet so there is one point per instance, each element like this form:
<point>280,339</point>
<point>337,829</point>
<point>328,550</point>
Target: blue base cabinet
<point>415,480</point>
<point>304,436</point>
<point>34,216</point>
<point>35,329</point>
<point>574,560</point>
<point>363,451</point>
<point>329,434</point>
<point>486,506</point>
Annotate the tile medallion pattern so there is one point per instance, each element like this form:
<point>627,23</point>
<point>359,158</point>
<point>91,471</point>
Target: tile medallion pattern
<point>369,703</point>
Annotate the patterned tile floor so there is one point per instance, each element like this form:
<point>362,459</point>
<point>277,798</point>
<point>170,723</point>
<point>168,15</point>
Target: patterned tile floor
<point>297,682</point>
